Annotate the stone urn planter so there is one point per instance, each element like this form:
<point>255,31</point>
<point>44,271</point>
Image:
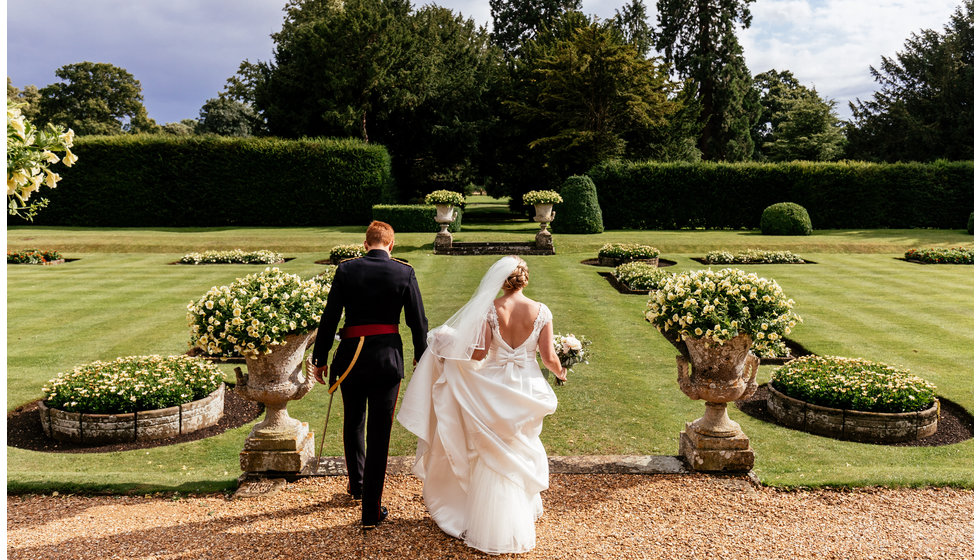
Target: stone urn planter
<point>544,215</point>
<point>717,374</point>
<point>279,442</point>
<point>445,215</point>
<point>85,428</point>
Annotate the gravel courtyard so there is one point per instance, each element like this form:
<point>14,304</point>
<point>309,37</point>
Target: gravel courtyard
<point>586,516</point>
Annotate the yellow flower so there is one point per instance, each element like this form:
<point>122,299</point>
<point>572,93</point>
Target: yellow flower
<point>68,138</point>
<point>52,179</point>
<point>17,124</point>
<point>69,158</point>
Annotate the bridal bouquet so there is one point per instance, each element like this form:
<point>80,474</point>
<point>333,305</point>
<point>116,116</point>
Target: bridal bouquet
<point>571,350</point>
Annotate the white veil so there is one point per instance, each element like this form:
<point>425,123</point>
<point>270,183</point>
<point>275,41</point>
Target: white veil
<point>465,331</point>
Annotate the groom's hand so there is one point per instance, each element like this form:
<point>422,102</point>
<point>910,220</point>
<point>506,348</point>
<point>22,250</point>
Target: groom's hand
<point>319,373</point>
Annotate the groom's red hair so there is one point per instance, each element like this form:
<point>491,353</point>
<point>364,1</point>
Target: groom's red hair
<point>379,233</point>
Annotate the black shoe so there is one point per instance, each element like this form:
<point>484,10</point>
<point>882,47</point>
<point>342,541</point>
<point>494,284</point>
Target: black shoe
<point>382,517</point>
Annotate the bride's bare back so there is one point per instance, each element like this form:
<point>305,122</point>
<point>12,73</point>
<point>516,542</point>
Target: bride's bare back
<point>515,315</point>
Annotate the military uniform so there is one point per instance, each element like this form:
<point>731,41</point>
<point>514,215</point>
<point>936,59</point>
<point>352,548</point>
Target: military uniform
<point>371,292</point>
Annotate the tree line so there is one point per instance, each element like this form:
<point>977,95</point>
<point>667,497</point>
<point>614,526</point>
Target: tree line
<point>548,93</point>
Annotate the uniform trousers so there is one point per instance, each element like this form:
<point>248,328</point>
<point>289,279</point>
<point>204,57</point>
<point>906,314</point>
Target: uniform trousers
<point>372,404</point>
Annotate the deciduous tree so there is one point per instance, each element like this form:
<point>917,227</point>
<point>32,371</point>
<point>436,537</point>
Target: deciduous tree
<point>796,123</point>
<point>95,98</point>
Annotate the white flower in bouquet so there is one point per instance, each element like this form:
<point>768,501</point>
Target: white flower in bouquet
<point>571,350</point>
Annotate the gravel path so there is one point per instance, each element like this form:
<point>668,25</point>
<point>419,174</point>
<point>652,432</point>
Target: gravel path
<point>586,516</point>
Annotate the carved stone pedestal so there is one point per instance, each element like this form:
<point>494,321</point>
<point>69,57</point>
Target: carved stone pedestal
<point>444,239</point>
<point>716,454</point>
<point>278,450</point>
<point>543,239</point>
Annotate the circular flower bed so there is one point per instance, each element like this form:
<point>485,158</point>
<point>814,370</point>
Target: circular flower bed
<point>33,256</point>
<point>941,255</point>
<point>542,197</point>
<point>236,256</point>
<point>641,276</point>
<point>342,252</point>
<point>132,384</point>
<point>753,256</point>
<point>256,312</point>
<point>720,305</point>
<point>853,384</point>
<point>444,197</point>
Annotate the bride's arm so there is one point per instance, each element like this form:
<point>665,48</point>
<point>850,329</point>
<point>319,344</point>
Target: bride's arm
<point>546,347</point>
<point>480,353</point>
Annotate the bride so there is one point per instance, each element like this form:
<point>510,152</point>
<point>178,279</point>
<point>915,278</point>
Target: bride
<point>476,402</point>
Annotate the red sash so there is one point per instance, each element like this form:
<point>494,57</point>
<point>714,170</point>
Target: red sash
<point>357,331</point>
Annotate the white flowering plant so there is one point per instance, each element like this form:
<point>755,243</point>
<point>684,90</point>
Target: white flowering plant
<point>341,252</point>
<point>571,350</point>
<point>753,256</point>
<point>542,197</point>
<point>641,276</point>
<point>628,251</point>
<point>30,153</point>
<point>444,197</point>
<point>132,384</point>
<point>235,256</point>
<point>853,384</point>
<point>720,305</point>
<point>255,313</point>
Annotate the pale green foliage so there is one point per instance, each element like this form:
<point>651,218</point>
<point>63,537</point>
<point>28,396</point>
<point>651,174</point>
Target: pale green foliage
<point>30,154</point>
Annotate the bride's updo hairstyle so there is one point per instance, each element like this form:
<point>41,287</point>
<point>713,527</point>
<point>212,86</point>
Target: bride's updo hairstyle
<point>517,279</point>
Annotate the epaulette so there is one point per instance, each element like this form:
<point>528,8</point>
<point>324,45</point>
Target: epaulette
<point>350,259</point>
<point>402,261</point>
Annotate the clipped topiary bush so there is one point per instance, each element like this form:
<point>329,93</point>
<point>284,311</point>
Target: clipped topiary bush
<point>413,217</point>
<point>785,218</point>
<point>580,212</point>
<point>969,224</point>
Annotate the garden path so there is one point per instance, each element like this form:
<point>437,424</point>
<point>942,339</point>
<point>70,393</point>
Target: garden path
<point>586,516</point>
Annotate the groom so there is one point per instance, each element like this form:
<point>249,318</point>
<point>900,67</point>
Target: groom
<point>370,291</point>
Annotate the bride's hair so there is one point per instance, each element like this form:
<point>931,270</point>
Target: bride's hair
<point>518,278</point>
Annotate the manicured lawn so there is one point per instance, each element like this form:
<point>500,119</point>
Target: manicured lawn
<point>122,298</point>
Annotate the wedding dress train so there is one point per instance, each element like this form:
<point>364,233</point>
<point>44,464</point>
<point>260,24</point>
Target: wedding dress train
<point>479,452</point>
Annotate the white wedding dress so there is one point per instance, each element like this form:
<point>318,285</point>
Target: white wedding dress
<point>479,453</point>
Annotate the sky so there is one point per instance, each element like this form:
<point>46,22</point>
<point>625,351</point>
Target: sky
<point>183,51</point>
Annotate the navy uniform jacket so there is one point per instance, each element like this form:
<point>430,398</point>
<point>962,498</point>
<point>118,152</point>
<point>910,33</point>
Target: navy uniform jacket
<point>371,289</point>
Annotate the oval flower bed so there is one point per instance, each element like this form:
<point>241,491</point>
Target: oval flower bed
<point>853,399</point>
<point>614,254</point>
<point>34,256</point>
<point>940,255</point>
<point>235,256</point>
<point>132,398</point>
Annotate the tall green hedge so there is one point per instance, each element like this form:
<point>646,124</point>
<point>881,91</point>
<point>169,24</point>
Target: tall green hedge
<point>653,195</point>
<point>413,217</point>
<point>214,181</point>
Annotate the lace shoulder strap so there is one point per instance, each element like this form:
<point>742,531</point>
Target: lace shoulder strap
<point>492,318</point>
<point>543,318</point>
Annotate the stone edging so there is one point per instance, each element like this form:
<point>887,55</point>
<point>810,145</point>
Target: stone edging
<point>145,425</point>
<point>614,261</point>
<point>704,261</point>
<point>852,425</point>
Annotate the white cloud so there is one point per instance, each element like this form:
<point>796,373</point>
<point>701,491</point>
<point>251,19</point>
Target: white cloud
<point>830,44</point>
